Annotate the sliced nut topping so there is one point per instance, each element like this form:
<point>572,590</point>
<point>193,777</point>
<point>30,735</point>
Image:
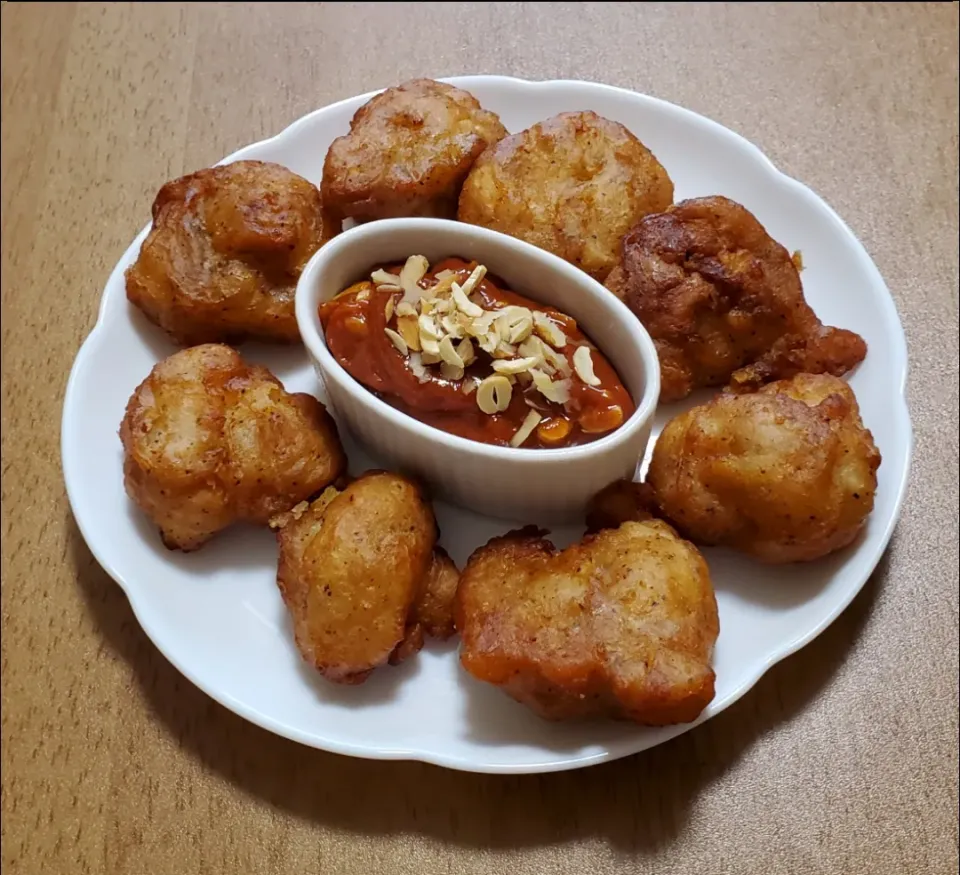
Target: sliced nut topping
<point>464,322</point>
<point>494,394</point>
<point>409,329</point>
<point>416,366</point>
<point>450,372</point>
<point>490,341</point>
<point>504,328</point>
<point>482,324</point>
<point>504,350</point>
<point>557,360</point>
<point>514,366</point>
<point>429,328</point>
<point>583,365</point>
<point>466,352</point>
<point>450,355</point>
<point>396,340</point>
<point>531,421</point>
<point>556,391</point>
<point>472,281</point>
<point>443,306</point>
<point>515,324</point>
<point>451,327</point>
<point>464,304</point>
<point>380,277</point>
<point>503,324</point>
<point>440,325</point>
<point>445,282</point>
<point>413,271</point>
<point>532,347</point>
<point>521,329</point>
<point>549,330</point>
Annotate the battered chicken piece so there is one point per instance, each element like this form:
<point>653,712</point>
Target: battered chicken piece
<point>786,474</point>
<point>408,151</point>
<point>209,440</point>
<point>433,609</point>
<point>227,246</point>
<point>362,577</point>
<point>723,301</point>
<point>573,185</point>
<point>620,625</point>
<point>620,502</point>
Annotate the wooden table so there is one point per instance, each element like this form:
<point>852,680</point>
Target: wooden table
<point>842,760</point>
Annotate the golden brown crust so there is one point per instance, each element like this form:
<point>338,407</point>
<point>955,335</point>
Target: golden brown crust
<point>361,577</point>
<point>622,624</point>
<point>433,609</point>
<point>573,185</point>
<point>723,301</point>
<point>223,256</point>
<point>620,502</point>
<point>209,440</point>
<point>408,151</point>
<point>786,474</point>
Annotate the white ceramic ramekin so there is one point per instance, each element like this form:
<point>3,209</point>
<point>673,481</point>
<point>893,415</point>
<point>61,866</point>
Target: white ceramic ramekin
<point>546,486</point>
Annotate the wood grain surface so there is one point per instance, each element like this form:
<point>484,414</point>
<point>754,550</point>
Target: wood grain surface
<point>842,760</point>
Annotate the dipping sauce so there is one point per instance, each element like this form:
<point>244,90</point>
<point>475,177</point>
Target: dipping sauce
<point>452,347</point>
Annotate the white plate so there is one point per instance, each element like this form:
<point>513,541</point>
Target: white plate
<point>217,615</point>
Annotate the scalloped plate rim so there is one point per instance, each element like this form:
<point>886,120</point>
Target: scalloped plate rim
<point>553,763</point>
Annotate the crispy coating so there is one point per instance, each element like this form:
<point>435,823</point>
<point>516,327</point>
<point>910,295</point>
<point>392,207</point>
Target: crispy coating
<point>621,625</point>
<point>620,502</point>
<point>573,185</point>
<point>723,301</point>
<point>408,151</point>
<point>786,474</point>
<point>361,577</point>
<point>227,246</point>
<point>433,609</point>
<point>209,440</point>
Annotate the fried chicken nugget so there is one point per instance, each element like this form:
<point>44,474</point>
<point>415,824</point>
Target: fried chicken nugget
<point>408,151</point>
<point>433,609</point>
<point>209,440</point>
<point>620,502</point>
<point>786,474</point>
<point>723,301</point>
<point>621,625</point>
<point>362,578</point>
<point>227,246</point>
<point>573,185</point>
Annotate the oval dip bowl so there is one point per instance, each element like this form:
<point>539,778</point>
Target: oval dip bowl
<point>532,485</point>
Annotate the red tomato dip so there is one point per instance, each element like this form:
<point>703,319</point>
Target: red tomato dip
<point>454,348</point>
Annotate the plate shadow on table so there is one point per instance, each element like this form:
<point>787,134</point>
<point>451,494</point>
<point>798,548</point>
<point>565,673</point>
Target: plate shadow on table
<point>641,803</point>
